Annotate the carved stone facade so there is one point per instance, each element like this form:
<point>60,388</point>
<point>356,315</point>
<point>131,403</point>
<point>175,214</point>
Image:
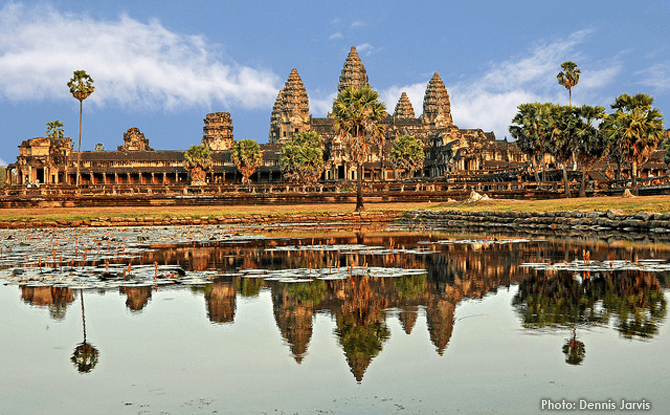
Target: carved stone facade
<point>218,131</point>
<point>134,141</point>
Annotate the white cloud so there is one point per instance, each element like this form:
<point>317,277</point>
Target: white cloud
<point>656,76</point>
<point>320,103</point>
<point>3,163</point>
<point>415,92</point>
<point>365,48</point>
<point>358,23</point>
<point>134,64</point>
<point>336,35</point>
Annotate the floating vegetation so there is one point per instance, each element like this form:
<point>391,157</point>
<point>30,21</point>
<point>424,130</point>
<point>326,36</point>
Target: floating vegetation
<point>644,265</point>
<point>478,241</point>
<point>334,273</point>
<point>349,249</point>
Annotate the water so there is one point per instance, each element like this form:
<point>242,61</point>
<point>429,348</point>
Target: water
<point>235,321</point>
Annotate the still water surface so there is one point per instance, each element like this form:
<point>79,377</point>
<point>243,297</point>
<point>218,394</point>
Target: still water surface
<point>339,322</point>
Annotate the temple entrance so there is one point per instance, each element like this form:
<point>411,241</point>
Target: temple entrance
<point>39,175</point>
<point>340,172</point>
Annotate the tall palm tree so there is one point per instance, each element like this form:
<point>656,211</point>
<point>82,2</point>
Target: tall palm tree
<point>357,113</point>
<point>635,129</point>
<point>569,76</point>
<point>81,87</point>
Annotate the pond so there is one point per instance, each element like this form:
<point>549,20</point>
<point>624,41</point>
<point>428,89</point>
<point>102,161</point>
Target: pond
<point>329,320</point>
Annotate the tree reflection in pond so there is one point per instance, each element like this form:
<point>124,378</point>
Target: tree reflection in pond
<point>634,300</point>
<point>85,355</point>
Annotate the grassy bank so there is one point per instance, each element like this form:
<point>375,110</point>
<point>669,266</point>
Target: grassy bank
<point>652,204</point>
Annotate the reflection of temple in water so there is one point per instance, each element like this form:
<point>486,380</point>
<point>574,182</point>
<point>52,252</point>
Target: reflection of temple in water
<point>137,297</point>
<point>360,306</point>
<point>55,298</point>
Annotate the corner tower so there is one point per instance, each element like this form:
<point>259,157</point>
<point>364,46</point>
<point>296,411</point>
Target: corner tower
<point>218,131</point>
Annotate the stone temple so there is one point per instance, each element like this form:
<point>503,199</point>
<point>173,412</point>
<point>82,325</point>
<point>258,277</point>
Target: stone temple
<point>448,148</point>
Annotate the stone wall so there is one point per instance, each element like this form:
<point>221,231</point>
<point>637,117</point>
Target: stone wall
<point>601,225</point>
<point>105,221</point>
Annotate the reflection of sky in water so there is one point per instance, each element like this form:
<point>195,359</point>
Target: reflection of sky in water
<point>169,358</point>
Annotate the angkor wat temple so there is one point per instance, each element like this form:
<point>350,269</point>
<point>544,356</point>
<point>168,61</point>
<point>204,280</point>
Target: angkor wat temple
<point>52,161</point>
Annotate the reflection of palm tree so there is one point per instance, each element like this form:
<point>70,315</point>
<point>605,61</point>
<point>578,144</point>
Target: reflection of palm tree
<point>574,350</point>
<point>636,302</point>
<point>85,356</point>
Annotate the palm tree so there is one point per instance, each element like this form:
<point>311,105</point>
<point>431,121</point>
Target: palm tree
<point>248,157</point>
<point>198,162</point>
<point>357,114</point>
<point>81,87</point>
<point>530,130</point>
<point>55,129</point>
<point>562,122</point>
<point>588,145</point>
<point>635,129</point>
<point>407,153</point>
<point>570,77</point>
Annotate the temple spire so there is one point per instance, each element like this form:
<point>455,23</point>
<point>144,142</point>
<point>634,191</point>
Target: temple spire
<point>436,105</point>
<point>353,72</point>
<point>290,113</point>
<point>403,108</point>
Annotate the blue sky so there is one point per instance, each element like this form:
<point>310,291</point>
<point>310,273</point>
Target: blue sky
<point>162,66</point>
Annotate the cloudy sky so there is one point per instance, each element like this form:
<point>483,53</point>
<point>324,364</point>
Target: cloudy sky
<point>162,66</point>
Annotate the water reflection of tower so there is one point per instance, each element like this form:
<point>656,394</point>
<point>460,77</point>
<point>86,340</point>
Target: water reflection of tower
<point>293,307</point>
<point>221,304</point>
<point>138,297</point>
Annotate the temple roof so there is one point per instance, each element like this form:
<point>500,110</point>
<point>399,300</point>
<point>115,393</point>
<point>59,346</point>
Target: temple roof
<point>403,108</point>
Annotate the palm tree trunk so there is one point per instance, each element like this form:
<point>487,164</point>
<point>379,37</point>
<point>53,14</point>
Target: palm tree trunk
<point>565,181</point>
<point>633,174</point>
<point>537,177</point>
<point>359,188</point>
<point>582,189</point>
<point>78,179</point>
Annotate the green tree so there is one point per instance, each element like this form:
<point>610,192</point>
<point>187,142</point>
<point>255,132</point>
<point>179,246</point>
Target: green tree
<point>530,129</point>
<point>198,162</point>
<point>99,147</point>
<point>569,76</point>
<point>407,153</point>
<point>357,113</point>
<point>81,87</point>
<point>562,122</point>
<point>588,144</point>
<point>3,175</point>
<point>55,129</point>
<point>301,157</point>
<point>635,129</point>
<point>248,157</point>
